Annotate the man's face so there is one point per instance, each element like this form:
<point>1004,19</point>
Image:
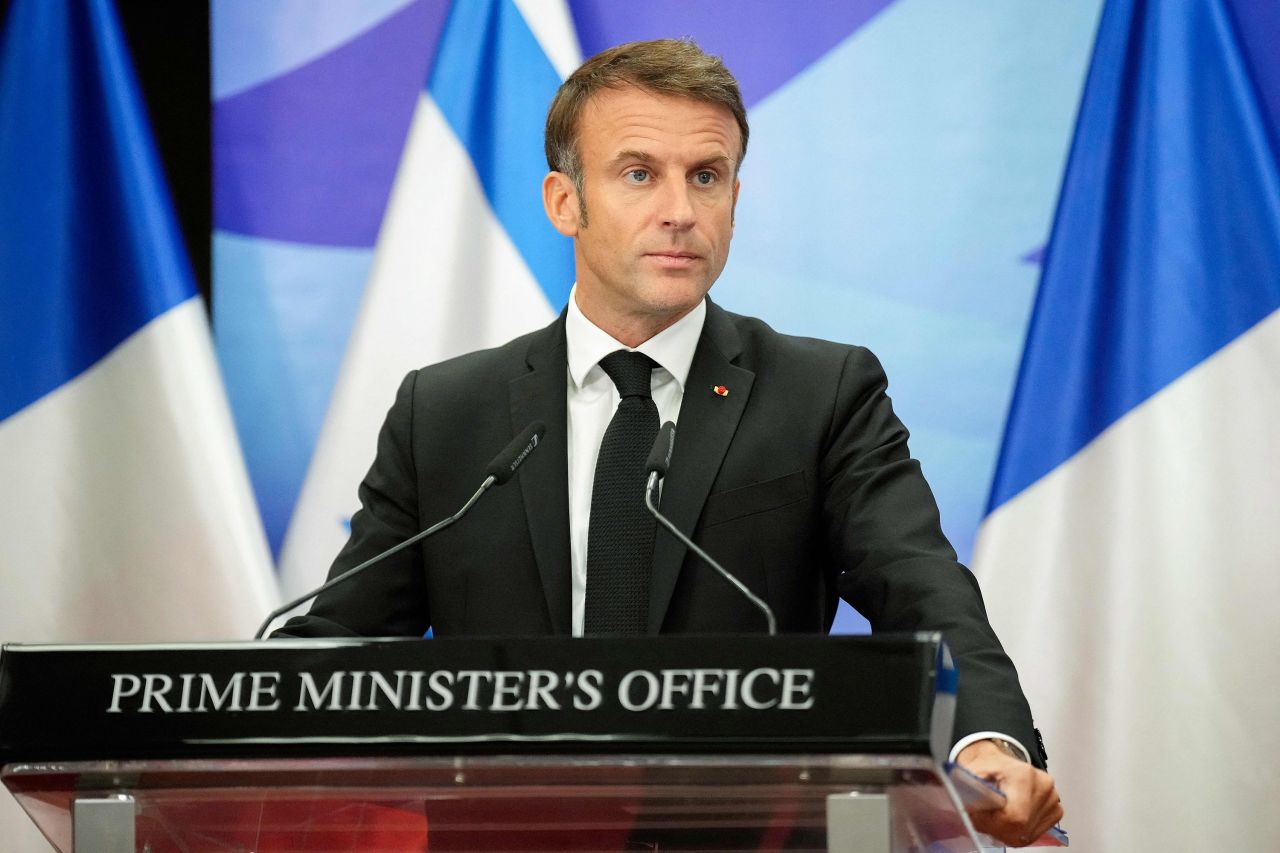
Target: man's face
<point>659,190</point>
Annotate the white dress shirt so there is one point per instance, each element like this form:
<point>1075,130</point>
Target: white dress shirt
<point>593,398</point>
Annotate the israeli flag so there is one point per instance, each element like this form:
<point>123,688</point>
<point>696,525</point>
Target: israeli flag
<point>1131,555</point>
<point>465,258</point>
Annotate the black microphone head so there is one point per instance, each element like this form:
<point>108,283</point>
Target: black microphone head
<point>663,446</point>
<point>504,465</point>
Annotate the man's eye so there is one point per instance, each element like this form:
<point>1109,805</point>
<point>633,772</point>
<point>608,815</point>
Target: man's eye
<point>638,176</point>
<point>704,178</point>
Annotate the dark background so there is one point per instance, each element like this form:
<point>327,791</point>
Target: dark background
<point>169,43</point>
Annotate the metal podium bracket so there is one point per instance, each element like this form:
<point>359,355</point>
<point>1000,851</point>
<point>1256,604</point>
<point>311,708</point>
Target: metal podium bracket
<point>859,823</point>
<point>104,824</point>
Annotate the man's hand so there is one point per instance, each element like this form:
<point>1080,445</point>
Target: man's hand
<point>1032,805</point>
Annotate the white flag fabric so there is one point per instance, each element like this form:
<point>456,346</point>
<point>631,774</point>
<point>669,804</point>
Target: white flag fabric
<point>128,514</point>
<point>1131,557</point>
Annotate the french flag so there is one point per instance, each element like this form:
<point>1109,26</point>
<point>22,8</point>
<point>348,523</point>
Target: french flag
<point>1131,554</point>
<point>127,512</point>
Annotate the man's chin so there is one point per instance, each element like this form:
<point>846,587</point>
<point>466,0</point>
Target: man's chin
<point>676,301</point>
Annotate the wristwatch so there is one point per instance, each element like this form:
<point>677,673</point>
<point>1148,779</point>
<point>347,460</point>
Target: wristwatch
<point>1007,748</point>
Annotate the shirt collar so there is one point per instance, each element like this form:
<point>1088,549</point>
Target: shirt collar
<point>672,348</point>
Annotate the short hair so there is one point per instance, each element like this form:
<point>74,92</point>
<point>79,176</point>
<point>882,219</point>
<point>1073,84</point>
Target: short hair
<point>666,67</point>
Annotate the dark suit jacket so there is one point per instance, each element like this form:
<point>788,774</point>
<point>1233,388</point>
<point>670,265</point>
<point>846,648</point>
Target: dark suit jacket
<point>799,481</point>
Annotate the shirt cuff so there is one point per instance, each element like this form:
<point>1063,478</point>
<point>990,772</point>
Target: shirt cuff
<point>977,736</point>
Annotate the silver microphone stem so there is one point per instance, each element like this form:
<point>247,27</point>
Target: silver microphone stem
<point>649,490</point>
<point>439,525</point>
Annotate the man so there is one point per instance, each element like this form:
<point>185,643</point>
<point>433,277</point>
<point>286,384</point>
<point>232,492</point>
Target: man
<point>789,466</point>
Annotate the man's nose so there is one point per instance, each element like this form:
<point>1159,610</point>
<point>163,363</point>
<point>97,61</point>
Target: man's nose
<point>677,206</point>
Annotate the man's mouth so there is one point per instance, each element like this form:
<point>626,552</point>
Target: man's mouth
<point>673,258</point>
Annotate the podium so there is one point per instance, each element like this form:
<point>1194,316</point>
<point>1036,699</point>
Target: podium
<point>656,743</point>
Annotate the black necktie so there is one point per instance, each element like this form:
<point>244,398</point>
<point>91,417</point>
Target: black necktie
<point>620,536</point>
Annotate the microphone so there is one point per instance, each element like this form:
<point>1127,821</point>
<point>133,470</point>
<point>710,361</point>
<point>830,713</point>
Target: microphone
<point>657,465</point>
<point>500,470</point>
<point>660,456</point>
<point>504,465</point>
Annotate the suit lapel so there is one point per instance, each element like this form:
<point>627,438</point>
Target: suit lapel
<point>540,395</point>
<point>706,427</point>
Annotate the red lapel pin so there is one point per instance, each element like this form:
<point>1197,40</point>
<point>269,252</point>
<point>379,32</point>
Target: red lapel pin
<point>721,390</point>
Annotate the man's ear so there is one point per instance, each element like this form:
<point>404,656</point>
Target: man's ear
<point>560,200</point>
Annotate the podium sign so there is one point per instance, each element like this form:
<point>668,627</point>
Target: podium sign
<point>447,696</point>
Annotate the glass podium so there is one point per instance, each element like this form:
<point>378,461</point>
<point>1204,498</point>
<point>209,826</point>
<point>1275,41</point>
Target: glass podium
<point>655,802</point>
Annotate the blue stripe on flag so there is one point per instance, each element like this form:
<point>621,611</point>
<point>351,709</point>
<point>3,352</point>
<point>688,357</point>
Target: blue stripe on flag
<point>1166,244</point>
<point>89,248</point>
<point>493,83</point>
